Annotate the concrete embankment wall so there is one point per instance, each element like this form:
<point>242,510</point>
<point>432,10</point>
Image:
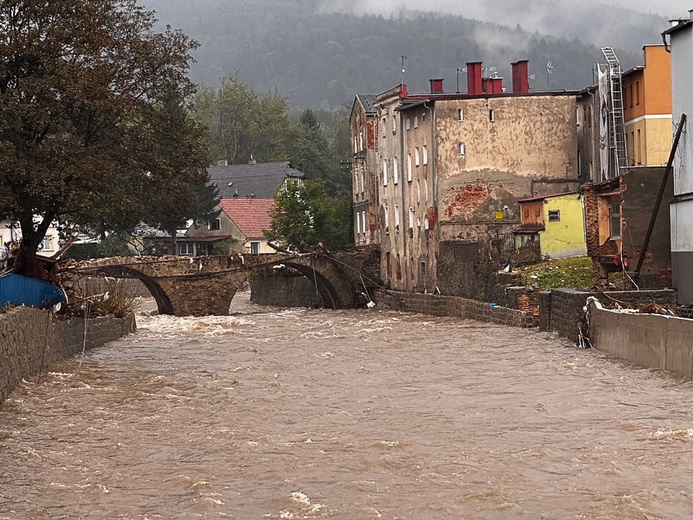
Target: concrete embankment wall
<point>561,310</point>
<point>438,305</point>
<point>649,340</point>
<point>30,340</point>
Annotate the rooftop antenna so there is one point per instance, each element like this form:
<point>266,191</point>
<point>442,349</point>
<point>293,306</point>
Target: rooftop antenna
<point>459,70</point>
<point>549,69</point>
<point>404,61</point>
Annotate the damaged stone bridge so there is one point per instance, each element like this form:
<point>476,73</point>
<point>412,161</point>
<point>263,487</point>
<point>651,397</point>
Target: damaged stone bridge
<point>199,286</point>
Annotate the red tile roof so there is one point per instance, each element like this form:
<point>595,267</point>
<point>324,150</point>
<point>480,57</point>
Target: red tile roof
<point>251,216</point>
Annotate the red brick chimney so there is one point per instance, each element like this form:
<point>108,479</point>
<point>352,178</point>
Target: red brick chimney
<point>520,77</point>
<point>474,85</point>
<point>436,86</point>
<point>493,85</point>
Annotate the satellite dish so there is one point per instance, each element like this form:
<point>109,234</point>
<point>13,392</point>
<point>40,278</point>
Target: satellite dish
<point>549,66</point>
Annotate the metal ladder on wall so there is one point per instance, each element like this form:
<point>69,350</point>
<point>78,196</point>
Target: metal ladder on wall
<point>618,130</point>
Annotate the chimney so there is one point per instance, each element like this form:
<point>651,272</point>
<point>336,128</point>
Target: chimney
<point>402,90</point>
<point>520,77</point>
<point>474,85</point>
<point>436,86</point>
<point>493,85</point>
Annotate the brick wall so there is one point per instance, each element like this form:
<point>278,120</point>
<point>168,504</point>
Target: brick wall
<point>30,340</point>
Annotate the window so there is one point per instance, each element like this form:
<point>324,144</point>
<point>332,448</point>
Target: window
<point>255,248</point>
<point>46,243</point>
<point>387,217</point>
<point>395,173</point>
<point>361,141</point>
<point>631,97</point>
<point>409,167</point>
<point>615,220</point>
<point>416,121</point>
<point>363,222</point>
<point>215,224</point>
<point>363,183</point>
<point>637,92</point>
<point>388,265</point>
<point>554,215</point>
<point>384,172</point>
<point>461,148</point>
<point>526,212</point>
<point>426,189</point>
<point>384,126</point>
<point>537,211</point>
<point>423,117</point>
<point>411,217</point>
<point>418,190</point>
<point>577,116</point>
<point>408,123</point>
<point>460,114</point>
<point>491,115</point>
<point>425,154</point>
<point>416,156</point>
<point>394,125</point>
<point>186,249</point>
<point>356,145</point>
<point>358,224</point>
<point>397,217</point>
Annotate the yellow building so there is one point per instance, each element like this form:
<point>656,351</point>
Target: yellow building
<point>647,109</point>
<point>556,221</point>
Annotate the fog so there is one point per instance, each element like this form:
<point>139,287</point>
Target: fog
<point>488,11</point>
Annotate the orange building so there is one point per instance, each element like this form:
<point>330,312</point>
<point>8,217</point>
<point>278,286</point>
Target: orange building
<point>647,109</point>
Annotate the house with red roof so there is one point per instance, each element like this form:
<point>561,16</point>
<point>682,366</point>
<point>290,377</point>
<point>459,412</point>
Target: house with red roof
<point>247,194</point>
<point>238,229</point>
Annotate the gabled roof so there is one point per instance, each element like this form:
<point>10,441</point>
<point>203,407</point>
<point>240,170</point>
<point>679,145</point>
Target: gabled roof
<point>251,180</point>
<point>251,216</point>
<point>368,103</point>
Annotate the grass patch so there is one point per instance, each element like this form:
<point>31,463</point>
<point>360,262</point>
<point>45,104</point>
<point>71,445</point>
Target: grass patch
<point>570,273</point>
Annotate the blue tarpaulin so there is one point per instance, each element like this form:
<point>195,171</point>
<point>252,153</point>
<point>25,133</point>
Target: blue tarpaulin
<point>20,290</point>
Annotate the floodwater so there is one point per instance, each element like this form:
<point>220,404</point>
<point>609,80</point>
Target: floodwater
<point>354,414</point>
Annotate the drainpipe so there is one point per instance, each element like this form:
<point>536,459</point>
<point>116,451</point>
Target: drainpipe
<point>401,182</point>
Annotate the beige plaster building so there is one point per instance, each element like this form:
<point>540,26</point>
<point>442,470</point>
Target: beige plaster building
<point>451,167</point>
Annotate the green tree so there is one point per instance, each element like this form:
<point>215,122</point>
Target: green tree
<point>243,124</point>
<point>85,135</point>
<point>304,216</point>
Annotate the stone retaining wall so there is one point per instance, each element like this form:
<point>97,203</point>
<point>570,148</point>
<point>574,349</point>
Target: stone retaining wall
<point>284,291</point>
<point>438,305</point>
<point>30,341</point>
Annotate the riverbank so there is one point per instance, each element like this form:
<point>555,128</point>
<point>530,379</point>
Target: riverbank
<point>30,340</point>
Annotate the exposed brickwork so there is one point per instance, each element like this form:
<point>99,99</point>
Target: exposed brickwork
<point>30,341</point>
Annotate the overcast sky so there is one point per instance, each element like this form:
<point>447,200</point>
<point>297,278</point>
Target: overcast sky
<point>469,8</point>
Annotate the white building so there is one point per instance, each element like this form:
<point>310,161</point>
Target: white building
<point>680,41</point>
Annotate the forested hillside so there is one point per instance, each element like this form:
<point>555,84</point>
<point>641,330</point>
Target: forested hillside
<point>321,58</point>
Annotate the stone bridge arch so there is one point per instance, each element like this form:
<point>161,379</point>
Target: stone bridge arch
<point>200,286</point>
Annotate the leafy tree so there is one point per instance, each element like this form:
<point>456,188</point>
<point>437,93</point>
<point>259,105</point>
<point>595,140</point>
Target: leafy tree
<point>243,124</point>
<point>87,136</point>
<point>304,216</point>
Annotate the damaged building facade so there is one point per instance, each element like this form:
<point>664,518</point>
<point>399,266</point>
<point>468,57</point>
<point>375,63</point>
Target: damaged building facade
<point>624,140</point>
<point>450,169</point>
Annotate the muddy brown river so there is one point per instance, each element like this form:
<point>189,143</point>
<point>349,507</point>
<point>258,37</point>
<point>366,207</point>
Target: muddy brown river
<point>356,414</point>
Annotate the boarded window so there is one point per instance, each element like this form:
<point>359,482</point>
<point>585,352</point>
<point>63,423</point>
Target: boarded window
<point>554,215</point>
